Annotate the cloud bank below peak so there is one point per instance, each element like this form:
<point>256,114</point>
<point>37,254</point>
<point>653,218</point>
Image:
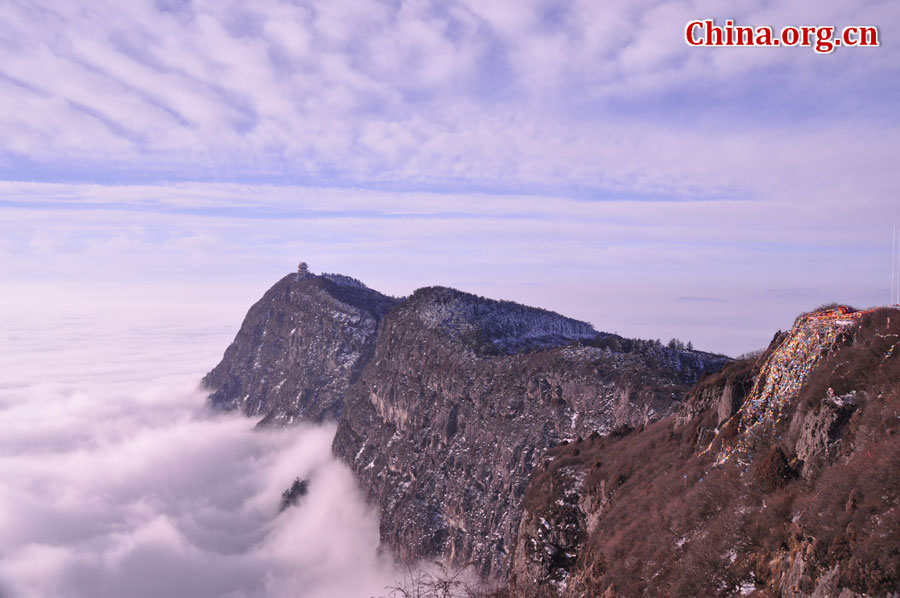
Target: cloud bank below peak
<point>120,483</point>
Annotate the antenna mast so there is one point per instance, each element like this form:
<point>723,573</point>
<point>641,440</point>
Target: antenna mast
<point>896,277</point>
<point>895,267</point>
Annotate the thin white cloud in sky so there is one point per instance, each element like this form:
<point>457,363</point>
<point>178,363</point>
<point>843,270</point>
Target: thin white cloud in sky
<point>622,265</point>
<point>118,482</point>
<point>538,93</point>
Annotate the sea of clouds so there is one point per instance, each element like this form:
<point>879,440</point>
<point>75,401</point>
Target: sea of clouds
<point>118,481</point>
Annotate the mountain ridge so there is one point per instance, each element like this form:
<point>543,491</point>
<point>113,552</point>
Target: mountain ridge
<point>445,400</point>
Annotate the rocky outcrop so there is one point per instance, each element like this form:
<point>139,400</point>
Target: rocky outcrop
<point>552,533</point>
<point>450,417</point>
<point>717,397</point>
<point>806,504</point>
<point>299,349</point>
<point>291,496</point>
<point>817,434</point>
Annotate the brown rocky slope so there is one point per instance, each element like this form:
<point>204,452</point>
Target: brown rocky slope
<point>778,476</point>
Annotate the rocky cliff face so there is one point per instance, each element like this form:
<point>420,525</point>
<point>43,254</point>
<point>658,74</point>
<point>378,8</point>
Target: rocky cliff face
<point>446,401</point>
<point>299,349</point>
<point>776,477</point>
<point>450,417</point>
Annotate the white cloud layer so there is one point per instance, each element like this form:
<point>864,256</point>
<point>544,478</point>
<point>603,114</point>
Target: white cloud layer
<point>118,482</point>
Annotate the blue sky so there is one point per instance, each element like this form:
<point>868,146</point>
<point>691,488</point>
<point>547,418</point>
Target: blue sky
<point>575,155</point>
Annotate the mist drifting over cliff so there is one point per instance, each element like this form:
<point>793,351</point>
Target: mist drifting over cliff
<point>119,482</point>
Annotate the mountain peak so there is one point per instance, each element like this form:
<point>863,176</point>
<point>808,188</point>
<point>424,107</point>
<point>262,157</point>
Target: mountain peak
<point>299,347</point>
<point>814,336</point>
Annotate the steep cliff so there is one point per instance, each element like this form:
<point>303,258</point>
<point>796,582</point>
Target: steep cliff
<point>299,349</point>
<point>445,400</point>
<point>778,476</point>
<point>463,397</point>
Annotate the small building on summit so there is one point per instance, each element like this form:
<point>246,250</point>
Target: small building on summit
<point>302,269</point>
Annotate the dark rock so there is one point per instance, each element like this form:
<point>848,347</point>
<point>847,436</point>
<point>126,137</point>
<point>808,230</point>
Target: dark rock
<point>291,496</point>
<point>818,433</point>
